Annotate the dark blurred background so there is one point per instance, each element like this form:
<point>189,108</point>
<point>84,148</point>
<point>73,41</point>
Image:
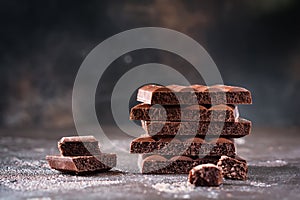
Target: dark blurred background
<point>254,43</point>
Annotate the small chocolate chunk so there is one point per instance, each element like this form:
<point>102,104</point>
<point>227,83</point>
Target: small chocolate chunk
<point>233,168</point>
<point>82,164</point>
<point>79,146</point>
<point>206,175</point>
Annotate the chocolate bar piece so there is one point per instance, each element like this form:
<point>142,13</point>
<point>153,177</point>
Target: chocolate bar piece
<point>185,113</point>
<point>79,146</point>
<point>233,168</point>
<point>187,146</point>
<point>82,164</point>
<point>194,94</point>
<point>157,164</point>
<point>206,175</point>
<point>241,127</point>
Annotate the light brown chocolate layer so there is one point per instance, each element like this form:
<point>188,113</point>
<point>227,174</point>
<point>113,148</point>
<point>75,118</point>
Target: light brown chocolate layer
<point>82,164</point>
<point>219,113</point>
<point>187,146</point>
<point>239,128</point>
<point>194,94</point>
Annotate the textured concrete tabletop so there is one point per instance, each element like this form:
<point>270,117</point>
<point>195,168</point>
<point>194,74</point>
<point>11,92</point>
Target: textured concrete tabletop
<point>273,157</point>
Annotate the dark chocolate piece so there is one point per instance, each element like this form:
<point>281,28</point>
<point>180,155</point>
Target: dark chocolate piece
<point>82,164</point>
<point>79,146</point>
<point>233,168</point>
<point>206,175</point>
<point>157,164</point>
<point>185,113</point>
<point>194,94</point>
<point>239,128</point>
<point>189,146</point>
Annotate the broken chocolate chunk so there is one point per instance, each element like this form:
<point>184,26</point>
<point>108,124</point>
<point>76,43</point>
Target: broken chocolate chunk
<point>233,168</point>
<point>206,175</point>
<point>82,164</point>
<point>79,146</point>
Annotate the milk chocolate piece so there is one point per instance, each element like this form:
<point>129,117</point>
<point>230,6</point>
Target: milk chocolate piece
<point>194,94</point>
<point>79,146</point>
<point>187,146</point>
<point>185,113</point>
<point>241,127</point>
<point>233,168</point>
<point>206,175</point>
<point>82,164</point>
<point>157,164</point>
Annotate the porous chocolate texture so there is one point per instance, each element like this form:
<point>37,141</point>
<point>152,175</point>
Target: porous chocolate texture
<point>185,113</point>
<point>206,175</point>
<point>162,164</point>
<point>79,146</point>
<point>157,164</point>
<point>194,94</point>
<point>241,127</point>
<point>82,164</point>
<point>233,168</point>
<point>187,146</point>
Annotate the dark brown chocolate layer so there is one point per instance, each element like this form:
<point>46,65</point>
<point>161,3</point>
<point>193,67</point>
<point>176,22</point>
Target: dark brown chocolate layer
<point>233,168</point>
<point>157,164</point>
<point>184,113</point>
<point>79,146</point>
<point>194,94</point>
<point>206,175</point>
<point>82,164</point>
<point>239,128</point>
<point>188,146</point>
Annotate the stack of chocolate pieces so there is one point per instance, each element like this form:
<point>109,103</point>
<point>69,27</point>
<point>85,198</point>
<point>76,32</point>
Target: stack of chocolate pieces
<point>80,155</point>
<point>186,126</point>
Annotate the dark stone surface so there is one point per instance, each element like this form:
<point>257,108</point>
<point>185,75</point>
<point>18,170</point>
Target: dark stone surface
<point>273,157</point>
